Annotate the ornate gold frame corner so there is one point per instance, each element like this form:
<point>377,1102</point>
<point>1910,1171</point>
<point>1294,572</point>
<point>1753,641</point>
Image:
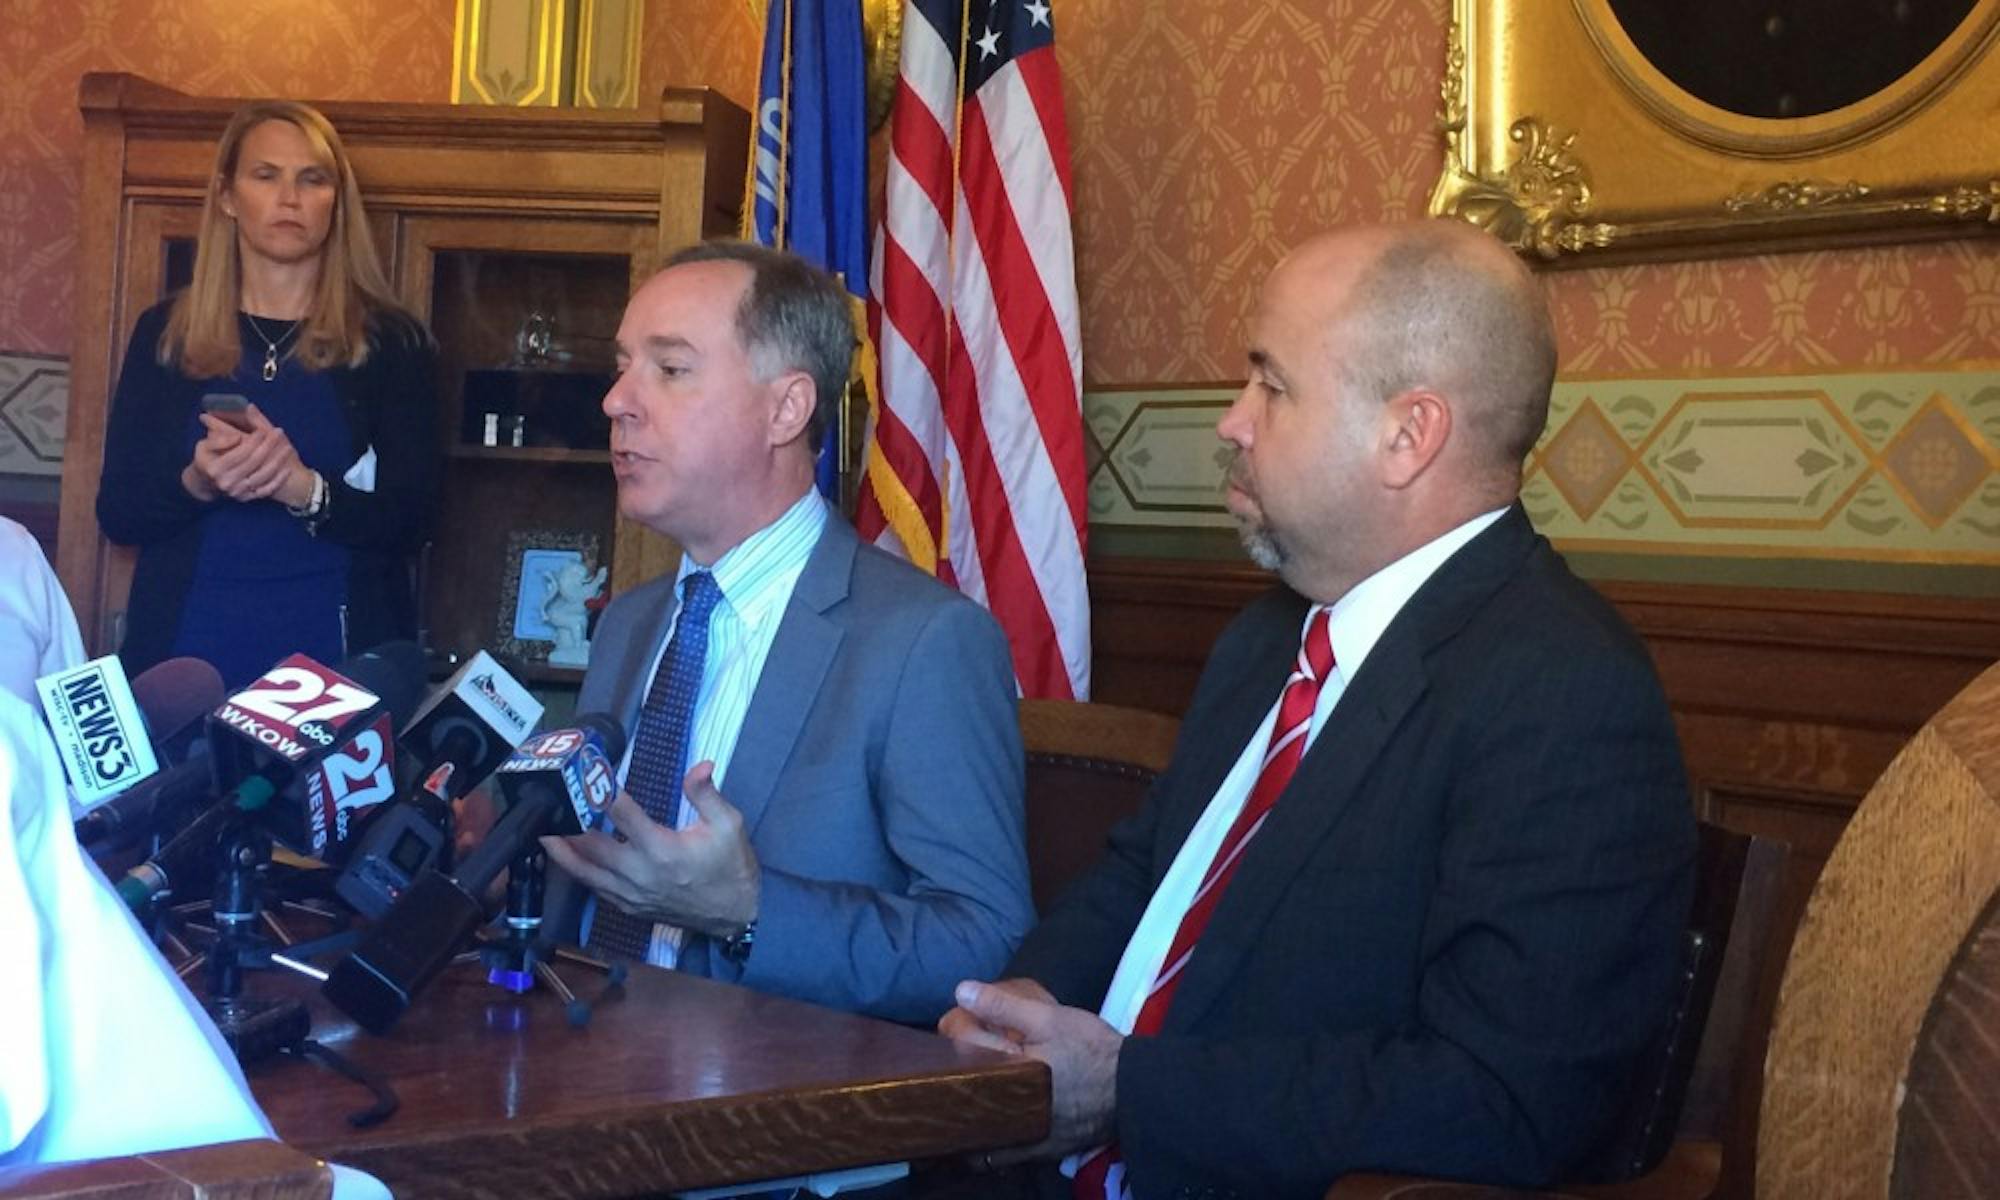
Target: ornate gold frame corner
<point>1567,144</point>
<point>882,35</point>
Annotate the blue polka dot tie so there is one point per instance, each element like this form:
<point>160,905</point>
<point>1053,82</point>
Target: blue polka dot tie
<point>660,749</point>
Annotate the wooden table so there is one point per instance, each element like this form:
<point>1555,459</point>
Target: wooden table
<point>680,1083</point>
<point>254,1170</point>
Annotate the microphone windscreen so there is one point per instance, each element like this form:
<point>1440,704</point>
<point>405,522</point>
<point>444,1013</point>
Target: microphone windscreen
<point>176,694</point>
<point>607,728</point>
<point>394,671</point>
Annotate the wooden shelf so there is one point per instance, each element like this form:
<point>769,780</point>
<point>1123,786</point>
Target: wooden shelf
<point>440,668</point>
<point>533,454</point>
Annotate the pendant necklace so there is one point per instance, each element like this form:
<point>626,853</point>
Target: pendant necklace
<point>271,347</point>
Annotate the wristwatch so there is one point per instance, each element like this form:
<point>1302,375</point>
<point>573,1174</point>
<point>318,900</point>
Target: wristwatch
<point>736,947</point>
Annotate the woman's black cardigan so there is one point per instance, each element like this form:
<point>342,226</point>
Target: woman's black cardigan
<point>389,403</point>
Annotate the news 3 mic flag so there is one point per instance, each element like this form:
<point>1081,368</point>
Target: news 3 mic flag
<point>809,161</point>
<point>98,728</point>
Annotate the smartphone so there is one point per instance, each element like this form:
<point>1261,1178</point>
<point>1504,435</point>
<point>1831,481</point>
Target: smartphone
<point>228,406</point>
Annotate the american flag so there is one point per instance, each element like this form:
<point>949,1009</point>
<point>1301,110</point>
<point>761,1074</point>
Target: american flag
<point>975,462</point>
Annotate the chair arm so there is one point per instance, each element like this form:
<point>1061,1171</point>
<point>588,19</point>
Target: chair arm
<point>1689,1172</point>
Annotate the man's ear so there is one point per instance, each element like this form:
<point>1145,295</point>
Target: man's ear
<point>796,398</point>
<point>1418,424</point>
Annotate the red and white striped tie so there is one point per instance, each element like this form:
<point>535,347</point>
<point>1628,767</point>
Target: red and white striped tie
<point>1101,1175</point>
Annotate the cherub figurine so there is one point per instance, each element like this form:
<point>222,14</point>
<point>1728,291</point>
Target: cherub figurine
<point>570,587</point>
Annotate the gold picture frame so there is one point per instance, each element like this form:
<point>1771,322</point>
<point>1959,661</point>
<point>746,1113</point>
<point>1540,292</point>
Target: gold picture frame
<point>1563,140</point>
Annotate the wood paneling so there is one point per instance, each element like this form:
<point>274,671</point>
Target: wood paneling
<point>1790,703</point>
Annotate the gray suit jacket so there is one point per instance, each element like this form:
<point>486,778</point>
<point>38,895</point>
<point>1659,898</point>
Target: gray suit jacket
<point>879,773</point>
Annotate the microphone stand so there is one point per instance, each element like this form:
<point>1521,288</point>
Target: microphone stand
<point>516,958</point>
<point>255,1029</point>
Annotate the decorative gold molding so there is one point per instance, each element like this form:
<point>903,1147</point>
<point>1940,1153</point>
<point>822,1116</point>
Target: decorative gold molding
<point>882,33</point>
<point>511,52</point>
<point>1538,204</point>
<point>608,33</point>
<point>1731,133</point>
<point>1796,194</point>
<point>882,29</point>
<point>1967,202</point>
<point>1534,87</point>
<point>547,53</point>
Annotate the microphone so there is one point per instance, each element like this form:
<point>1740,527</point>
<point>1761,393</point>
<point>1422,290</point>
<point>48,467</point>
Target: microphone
<point>470,726</point>
<point>98,729</point>
<point>556,783</point>
<point>173,697</point>
<point>306,746</point>
<point>465,730</point>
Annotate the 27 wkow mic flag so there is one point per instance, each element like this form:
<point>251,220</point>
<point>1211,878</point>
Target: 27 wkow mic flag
<point>975,462</point>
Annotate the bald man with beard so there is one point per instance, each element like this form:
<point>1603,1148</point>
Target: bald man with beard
<point>1409,896</point>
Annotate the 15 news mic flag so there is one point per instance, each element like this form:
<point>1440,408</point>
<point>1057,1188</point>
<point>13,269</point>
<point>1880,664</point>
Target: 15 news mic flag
<point>975,465</point>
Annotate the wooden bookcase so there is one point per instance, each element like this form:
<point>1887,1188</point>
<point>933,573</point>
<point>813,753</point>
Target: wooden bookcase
<point>495,223</point>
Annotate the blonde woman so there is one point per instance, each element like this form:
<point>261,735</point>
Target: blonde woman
<point>272,448</point>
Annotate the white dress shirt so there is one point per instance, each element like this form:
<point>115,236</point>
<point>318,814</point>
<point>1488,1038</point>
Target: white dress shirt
<point>1355,623</point>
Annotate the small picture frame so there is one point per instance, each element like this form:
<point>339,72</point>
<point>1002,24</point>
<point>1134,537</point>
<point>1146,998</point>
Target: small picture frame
<point>519,627</point>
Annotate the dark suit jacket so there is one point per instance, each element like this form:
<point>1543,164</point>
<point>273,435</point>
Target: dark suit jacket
<point>1453,938</point>
<point>879,773</point>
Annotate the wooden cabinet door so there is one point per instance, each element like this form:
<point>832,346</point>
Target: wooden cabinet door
<point>525,311</point>
<point>156,256</point>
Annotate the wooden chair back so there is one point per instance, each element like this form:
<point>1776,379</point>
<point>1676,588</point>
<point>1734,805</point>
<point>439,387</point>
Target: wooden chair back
<point>1691,1076</point>
<point>1089,766</point>
<point>1881,1005</point>
<point>1682,1123</point>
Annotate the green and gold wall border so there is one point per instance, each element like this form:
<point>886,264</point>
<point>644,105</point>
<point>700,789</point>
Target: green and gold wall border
<point>1864,466</point>
<point>545,53</point>
<point>1879,470</point>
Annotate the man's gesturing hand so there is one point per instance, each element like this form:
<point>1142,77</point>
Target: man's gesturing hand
<point>702,878</point>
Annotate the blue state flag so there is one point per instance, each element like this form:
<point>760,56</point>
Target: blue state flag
<point>809,153</point>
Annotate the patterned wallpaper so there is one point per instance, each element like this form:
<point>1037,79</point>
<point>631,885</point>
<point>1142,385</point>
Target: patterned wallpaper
<point>1211,134</point>
<point>1715,418</point>
<point>354,50</point>
<point>1208,135</point>
<point>707,43</point>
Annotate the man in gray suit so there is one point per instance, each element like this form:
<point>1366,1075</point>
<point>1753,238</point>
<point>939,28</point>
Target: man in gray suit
<point>850,831</point>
